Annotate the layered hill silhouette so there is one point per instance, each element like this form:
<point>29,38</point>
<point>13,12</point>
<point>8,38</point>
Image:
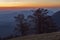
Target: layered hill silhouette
<point>56,18</point>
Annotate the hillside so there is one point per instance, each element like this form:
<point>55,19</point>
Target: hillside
<point>46,36</point>
<point>56,18</point>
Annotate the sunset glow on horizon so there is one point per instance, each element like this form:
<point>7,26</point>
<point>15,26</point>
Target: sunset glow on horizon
<point>29,3</point>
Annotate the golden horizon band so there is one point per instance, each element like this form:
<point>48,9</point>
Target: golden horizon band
<point>21,4</point>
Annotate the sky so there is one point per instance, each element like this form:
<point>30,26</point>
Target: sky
<point>29,3</point>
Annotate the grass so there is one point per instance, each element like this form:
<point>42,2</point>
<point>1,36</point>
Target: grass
<point>46,36</point>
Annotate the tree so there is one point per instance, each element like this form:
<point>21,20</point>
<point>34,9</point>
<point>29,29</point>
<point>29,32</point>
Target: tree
<point>39,15</point>
<point>43,21</point>
<point>22,25</point>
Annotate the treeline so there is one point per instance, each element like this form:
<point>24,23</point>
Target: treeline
<point>37,23</point>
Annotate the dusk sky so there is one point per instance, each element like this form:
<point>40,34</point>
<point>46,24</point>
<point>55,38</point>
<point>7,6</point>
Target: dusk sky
<point>29,3</point>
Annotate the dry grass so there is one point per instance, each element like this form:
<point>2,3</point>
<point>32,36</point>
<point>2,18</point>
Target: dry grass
<point>46,36</point>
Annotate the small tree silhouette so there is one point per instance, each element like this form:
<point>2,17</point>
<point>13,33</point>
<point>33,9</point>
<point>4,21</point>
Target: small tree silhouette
<point>22,25</point>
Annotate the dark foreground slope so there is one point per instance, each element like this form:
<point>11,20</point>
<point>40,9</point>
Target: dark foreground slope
<point>46,36</point>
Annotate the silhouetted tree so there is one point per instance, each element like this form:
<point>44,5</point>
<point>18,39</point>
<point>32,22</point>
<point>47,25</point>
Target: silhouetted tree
<point>43,22</point>
<point>22,25</point>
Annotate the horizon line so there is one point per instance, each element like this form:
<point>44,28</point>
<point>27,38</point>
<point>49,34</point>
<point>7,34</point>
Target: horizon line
<point>6,8</point>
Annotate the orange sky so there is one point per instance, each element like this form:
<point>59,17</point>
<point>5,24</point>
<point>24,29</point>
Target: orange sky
<point>28,3</point>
